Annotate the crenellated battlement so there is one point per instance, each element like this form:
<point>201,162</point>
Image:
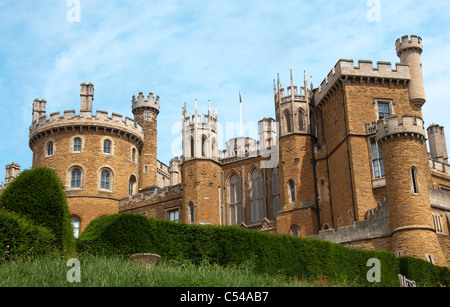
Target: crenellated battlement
<point>394,126</point>
<point>382,73</point>
<point>408,42</point>
<point>140,102</point>
<point>114,123</point>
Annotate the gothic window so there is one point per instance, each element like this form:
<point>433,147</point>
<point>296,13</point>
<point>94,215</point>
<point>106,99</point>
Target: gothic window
<point>133,155</point>
<point>106,179</point>
<point>50,149</point>
<point>107,145</point>
<point>234,200</point>
<point>294,231</point>
<point>132,186</point>
<point>76,178</point>
<point>288,121</point>
<point>256,196</point>
<point>75,221</point>
<point>414,180</point>
<point>291,191</point>
<point>275,192</point>
<point>204,149</point>
<point>191,208</point>
<point>301,119</point>
<point>77,145</point>
<point>377,159</point>
<point>192,147</point>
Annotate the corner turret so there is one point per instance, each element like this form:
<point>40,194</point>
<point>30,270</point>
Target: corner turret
<point>409,51</point>
<point>87,97</point>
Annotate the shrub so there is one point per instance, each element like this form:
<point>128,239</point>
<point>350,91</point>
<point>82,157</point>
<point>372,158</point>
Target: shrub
<point>302,258</point>
<point>39,196</point>
<point>22,238</point>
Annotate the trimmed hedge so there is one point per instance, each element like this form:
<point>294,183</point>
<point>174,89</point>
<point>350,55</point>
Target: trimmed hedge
<point>39,196</point>
<point>22,238</point>
<point>125,234</point>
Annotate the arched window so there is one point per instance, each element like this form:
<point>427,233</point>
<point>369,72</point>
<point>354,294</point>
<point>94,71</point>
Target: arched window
<point>234,200</point>
<point>132,186</point>
<point>288,121</point>
<point>291,191</point>
<point>275,192</point>
<point>133,155</point>
<point>192,147</point>
<point>191,208</point>
<point>294,231</point>
<point>77,145</point>
<point>204,144</point>
<point>75,221</point>
<point>301,119</point>
<point>107,146</point>
<point>50,149</point>
<point>414,180</point>
<point>256,196</point>
<point>76,178</point>
<point>106,179</point>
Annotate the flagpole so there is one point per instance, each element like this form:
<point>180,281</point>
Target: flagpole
<point>240,111</point>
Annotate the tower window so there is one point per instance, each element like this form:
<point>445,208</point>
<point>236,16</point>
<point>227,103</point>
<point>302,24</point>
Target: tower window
<point>377,159</point>
<point>76,178</point>
<point>191,213</point>
<point>301,119</point>
<point>192,147</point>
<point>414,180</point>
<point>291,186</point>
<point>77,145</point>
<point>287,117</point>
<point>133,155</point>
<point>132,185</point>
<point>204,146</point>
<point>107,145</point>
<point>50,149</point>
<point>106,180</point>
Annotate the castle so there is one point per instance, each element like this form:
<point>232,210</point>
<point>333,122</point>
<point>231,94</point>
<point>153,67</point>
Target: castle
<point>346,162</point>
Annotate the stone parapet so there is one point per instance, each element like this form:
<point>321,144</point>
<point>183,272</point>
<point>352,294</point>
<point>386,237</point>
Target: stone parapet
<point>365,70</point>
<point>406,42</point>
<point>393,126</point>
<point>140,102</point>
<point>86,120</point>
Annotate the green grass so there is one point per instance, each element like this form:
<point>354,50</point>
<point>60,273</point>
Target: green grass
<point>51,271</point>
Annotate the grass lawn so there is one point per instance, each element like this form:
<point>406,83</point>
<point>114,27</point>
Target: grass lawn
<point>52,271</point>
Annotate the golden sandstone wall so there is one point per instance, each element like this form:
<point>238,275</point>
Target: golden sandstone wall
<point>89,201</point>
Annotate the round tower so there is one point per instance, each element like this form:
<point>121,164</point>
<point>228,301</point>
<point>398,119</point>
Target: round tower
<point>146,113</point>
<point>407,171</point>
<point>409,51</point>
<point>94,155</point>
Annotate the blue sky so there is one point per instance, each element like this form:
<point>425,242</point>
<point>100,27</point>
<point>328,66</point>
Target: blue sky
<point>205,50</point>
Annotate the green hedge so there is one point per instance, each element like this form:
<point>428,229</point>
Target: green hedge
<point>39,196</point>
<point>20,237</point>
<point>125,234</point>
